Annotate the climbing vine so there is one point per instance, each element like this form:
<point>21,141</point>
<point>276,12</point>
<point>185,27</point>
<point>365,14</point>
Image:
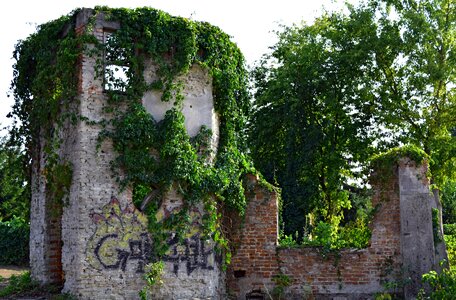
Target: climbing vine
<point>44,87</point>
<point>152,157</point>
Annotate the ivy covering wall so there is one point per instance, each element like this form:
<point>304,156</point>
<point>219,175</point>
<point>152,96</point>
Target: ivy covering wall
<point>152,156</point>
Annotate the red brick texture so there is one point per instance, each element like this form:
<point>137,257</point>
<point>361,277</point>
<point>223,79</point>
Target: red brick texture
<point>255,260</point>
<point>54,247</point>
<point>355,274</point>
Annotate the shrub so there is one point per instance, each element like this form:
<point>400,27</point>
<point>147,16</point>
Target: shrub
<point>443,285</point>
<point>449,229</point>
<point>450,241</point>
<point>14,242</point>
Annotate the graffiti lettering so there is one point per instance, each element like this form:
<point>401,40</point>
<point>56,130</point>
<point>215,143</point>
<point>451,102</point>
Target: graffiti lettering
<point>121,242</point>
<point>194,252</point>
<point>120,238</point>
<point>138,250</point>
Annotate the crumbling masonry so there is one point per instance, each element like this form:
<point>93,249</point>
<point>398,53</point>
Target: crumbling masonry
<point>98,245</point>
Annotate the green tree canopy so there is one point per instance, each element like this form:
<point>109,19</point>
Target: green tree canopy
<point>333,93</point>
<point>313,115</point>
<point>417,71</point>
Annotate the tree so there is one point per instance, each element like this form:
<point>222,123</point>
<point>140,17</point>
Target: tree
<point>14,189</point>
<point>313,114</point>
<point>416,89</point>
<point>334,92</point>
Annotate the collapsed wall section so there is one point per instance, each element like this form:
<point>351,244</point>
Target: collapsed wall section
<point>400,250</point>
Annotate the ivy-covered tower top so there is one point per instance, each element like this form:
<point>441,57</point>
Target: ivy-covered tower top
<point>134,123</point>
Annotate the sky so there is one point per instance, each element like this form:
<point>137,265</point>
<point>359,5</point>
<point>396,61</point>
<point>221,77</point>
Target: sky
<point>250,23</point>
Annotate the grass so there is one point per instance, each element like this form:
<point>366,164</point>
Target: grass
<point>23,285</point>
<point>18,284</point>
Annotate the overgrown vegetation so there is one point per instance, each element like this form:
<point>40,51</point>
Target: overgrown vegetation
<point>281,282</point>
<point>329,97</point>
<point>349,86</point>
<point>153,276</point>
<point>14,242</point>
<point>23,286</point>
<point>44,86</point>
<point>158,156</point>
<point>153,156</point>
<point>19,284</point>
<point>443,285</point>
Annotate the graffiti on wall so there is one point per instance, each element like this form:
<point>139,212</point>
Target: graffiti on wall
<point>121,241</point>
<point>120,238</point>
<point>194,253</point>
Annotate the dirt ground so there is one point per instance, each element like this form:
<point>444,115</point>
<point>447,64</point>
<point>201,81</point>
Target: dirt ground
<point>8,271</point>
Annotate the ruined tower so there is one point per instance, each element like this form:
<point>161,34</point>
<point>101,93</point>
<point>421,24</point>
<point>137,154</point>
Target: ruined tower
<point>96,241</point>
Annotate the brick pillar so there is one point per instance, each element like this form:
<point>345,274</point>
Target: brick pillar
<point>417,237</point>
<point>254,263</point>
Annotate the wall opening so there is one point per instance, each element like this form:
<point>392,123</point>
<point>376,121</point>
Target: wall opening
<point>115,66</point>
<point>255,295</point>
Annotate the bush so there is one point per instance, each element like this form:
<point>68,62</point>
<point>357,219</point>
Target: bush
<point>449,229</point>
<point>443,285</point>
<point>450,242</point>
<point>330,237</point>
<point>14,242</point>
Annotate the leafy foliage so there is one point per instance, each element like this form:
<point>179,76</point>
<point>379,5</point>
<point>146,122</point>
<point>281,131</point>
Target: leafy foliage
<point>153,274</point>
<point>331,237</point>
<point>386,160</point>
<point>353,232</point>
<point>349,86</point>
<point>281,281</point>
<point>44,83</point>
<point>14,184</point>
<point>443,284</point>
<point>450,243</point>
<point>449,229</point>
<point>154,157</point>
<point>317,83</point>
<point>448,200</point>
<point>416,75</point>
<point>45,88</point>
<point>14,242</point>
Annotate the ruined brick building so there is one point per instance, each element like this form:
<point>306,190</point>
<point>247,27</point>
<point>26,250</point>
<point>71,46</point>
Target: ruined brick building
<point>97,246</point>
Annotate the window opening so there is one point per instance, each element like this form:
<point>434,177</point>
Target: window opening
<point>116,68</point>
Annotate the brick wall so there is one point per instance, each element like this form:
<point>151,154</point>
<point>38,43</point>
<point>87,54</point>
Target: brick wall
<point>355,273</point>
<point>54,251</point>
<point>351,274</point>
<point>255,260</point>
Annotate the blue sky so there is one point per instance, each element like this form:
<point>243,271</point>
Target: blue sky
<point>249,22</point>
